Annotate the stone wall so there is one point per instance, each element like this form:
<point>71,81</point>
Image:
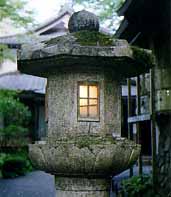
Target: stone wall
<point>62,97</point>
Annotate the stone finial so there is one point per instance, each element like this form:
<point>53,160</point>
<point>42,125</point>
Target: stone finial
<point>83,20</point>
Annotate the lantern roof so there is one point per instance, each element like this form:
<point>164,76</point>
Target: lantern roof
<point>84,46</point>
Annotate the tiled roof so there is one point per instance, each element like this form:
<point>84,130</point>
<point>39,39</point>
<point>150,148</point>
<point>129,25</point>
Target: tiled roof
<point>53,20</point>
<point>18,81</point>
<point>17,40</point>
<point>12,40</point>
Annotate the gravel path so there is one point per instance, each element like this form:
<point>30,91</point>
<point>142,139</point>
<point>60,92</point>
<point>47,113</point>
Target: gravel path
<point>34,184</point>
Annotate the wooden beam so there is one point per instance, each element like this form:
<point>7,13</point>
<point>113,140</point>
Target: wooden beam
<point>130,133</point>
<point>138,125</point>
<point>153,127</point>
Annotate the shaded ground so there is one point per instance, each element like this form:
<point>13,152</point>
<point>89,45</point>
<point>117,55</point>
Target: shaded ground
<point>34,184</point>
<point>41,184</point>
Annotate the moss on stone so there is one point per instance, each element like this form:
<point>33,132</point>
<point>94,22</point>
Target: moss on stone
<point>93,38</point>
<point>82,141</point>
<point>87,140</point>
<point>84,38</point>
<point>143,56</point>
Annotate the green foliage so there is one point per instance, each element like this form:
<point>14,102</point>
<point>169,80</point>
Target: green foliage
<point>14,164</point>
<point>5,53</point>
<point>15,11</point>
<point>138,186</point>
<point>14,130</point>
<point>19,15</point>
<point>106,8</point>
<point>85,142</point>
<point>16,119</point>
<point>15,114</point>
<point>2,159</point>
<point>144,56</point>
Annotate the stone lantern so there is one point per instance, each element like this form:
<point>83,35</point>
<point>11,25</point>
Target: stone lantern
<point>83,147</point>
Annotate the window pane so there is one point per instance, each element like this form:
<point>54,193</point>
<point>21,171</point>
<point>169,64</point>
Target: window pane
<point>93,111</point>
<point>83,91</point>
<point>83,111</point>
<point>92,101</point>
<point>93,91</point>
<point>88,101</point>
<point>83,102</point>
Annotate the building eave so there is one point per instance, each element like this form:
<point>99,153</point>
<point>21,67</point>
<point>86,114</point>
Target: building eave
<point>124,7</point>
<point>50,23</point>
<point>140,16</point>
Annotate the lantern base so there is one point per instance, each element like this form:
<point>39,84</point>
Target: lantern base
<point>82,187</point>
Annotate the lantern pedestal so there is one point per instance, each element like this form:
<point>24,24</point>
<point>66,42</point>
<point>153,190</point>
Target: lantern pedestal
<point>82,187</point>
<point>83,165</point>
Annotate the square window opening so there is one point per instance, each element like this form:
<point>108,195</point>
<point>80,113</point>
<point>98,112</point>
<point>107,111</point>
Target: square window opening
<point>88,101</point>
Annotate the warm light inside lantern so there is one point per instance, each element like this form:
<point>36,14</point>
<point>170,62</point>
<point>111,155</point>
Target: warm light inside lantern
<point>88,101</point>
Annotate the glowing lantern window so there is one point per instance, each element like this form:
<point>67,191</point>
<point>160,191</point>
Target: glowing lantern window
<point>88,101</point>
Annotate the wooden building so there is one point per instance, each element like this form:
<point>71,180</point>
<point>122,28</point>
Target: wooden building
<point>147,23</point>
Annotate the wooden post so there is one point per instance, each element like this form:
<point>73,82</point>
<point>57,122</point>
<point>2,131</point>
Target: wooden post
<point>138,124</point>
<point>153,126</point>
<point>130,134</point>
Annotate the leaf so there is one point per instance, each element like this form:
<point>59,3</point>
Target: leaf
<point>137,185</point>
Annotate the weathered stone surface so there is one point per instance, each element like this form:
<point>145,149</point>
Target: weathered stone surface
<point>76,187</point>
<point>70,45</point>
<point>102,50</point>
<point>83,20</point>
<point>62,98</point>
<point>82,193</point>
<point>98,157</point>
